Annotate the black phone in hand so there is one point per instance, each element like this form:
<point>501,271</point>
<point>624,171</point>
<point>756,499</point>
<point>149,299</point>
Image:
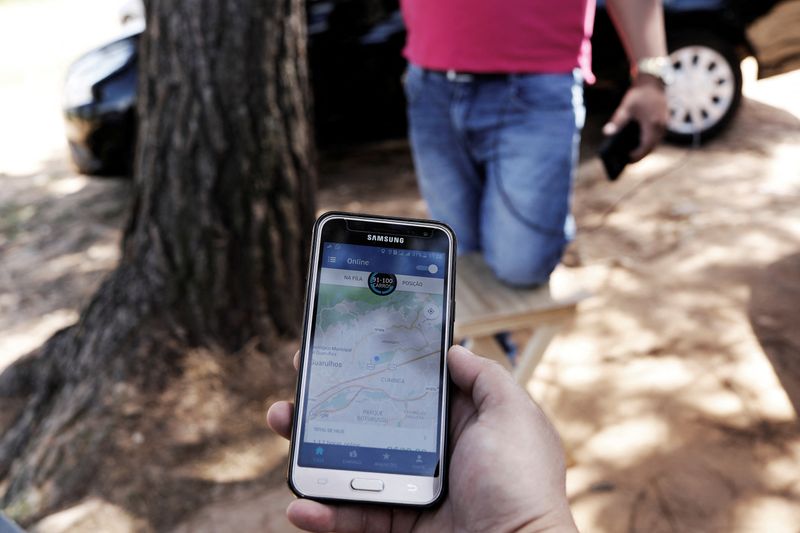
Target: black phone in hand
<point>615,150</point>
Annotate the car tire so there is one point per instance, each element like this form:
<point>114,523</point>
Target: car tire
<point>83,161</point>
<point>707,87</point>
<point>102,165</point>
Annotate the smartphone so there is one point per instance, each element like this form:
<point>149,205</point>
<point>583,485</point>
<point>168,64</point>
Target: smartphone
<point>370,421</point>
<point>615,151</point>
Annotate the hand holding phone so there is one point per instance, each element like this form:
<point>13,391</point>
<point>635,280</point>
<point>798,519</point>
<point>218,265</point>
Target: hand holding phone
<point>506,471</point>
<point>615,151</point>
<point>372,394</point>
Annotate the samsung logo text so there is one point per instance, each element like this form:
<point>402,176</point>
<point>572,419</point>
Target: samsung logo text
<point>385,238</point>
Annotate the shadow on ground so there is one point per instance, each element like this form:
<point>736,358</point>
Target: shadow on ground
<point>674,418</point>
<point>773,312</point>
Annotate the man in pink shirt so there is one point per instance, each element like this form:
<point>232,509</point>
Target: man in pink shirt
<point>495,108</point>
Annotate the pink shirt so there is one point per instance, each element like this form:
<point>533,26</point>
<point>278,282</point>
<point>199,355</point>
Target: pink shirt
<point>514,36</point>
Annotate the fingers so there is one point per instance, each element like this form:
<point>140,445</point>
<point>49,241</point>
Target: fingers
<point>647,105</point>
<point>618,120</point>
<point>311,516</point>
<point>279,418</point>
<point>279,414</point>
<point>464,367</point>
<point>485,381</point>
<point>650,137</point>
<point>318,517</point>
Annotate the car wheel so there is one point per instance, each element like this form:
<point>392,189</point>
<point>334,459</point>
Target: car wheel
<point>83,160</point>
<point>707,87</point>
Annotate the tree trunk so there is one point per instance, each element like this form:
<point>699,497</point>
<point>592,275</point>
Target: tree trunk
<point>214,252</point>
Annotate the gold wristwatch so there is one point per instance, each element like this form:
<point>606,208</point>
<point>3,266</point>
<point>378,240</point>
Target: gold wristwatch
<point>659,67</point>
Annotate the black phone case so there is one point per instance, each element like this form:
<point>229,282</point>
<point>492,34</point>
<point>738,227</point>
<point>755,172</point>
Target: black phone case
<point>307,311</point>
<point>615,150</point>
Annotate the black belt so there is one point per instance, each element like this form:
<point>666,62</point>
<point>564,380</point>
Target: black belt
<point>466,77</point>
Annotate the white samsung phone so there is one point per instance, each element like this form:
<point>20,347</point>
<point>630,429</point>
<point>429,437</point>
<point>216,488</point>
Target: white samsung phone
<point>370,421</point>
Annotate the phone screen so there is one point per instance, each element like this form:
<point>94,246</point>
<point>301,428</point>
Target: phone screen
<point>373,391</point>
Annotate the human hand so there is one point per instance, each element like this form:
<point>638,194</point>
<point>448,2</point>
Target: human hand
<point>506,467</point>
<point>645,102</point>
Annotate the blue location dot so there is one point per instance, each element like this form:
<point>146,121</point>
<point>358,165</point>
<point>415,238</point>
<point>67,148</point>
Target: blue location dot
<point>376,358</point>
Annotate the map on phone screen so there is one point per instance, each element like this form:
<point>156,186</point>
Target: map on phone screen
<point>376,352</point>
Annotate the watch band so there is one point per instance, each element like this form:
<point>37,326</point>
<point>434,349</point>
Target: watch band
<point>659,67</point>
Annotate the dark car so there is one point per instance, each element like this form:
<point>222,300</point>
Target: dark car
<point>356,64</point>
<point>354,57</point>
<point>707,40</point>
<point>100,107</point>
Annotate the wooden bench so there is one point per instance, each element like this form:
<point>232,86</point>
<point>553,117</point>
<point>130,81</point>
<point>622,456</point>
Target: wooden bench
<point>485,307</point>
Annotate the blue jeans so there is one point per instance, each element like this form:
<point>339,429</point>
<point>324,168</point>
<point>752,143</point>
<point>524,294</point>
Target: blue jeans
<point>495,159</point>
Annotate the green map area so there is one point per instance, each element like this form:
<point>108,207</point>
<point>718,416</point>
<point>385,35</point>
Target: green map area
<point>376,363</point>
<point>340,303</point>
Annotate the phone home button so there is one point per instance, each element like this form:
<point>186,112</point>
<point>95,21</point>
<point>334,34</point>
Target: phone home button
<point>372,485</point>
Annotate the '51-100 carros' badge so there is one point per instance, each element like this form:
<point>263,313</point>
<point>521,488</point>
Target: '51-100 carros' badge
<point>382,284</point>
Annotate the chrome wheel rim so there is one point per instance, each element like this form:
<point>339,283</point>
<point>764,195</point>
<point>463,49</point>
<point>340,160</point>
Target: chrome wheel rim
<point>702,89</point>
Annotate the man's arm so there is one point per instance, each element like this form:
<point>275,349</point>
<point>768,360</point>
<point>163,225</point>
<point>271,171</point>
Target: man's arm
<point>640,25</point>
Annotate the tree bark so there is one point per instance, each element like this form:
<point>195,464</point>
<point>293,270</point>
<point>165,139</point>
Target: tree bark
<point>214,252</point>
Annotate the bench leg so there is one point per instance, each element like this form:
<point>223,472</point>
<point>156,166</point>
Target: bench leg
<point>526,360</point>
<point>533,351</point>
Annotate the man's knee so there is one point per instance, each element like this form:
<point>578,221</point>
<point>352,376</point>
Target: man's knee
<point>524,272</point>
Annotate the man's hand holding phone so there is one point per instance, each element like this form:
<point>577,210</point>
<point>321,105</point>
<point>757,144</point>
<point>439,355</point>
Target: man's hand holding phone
<point>646,103</point>
<point>506,468</point>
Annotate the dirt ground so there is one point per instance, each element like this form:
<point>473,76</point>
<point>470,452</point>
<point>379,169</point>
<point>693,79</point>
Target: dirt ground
<point>676,390</point>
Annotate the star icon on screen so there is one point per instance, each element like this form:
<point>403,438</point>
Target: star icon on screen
<point>385,456</point>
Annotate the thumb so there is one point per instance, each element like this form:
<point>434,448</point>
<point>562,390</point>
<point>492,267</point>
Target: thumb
<point>617,121</point>
<point>485,381</point>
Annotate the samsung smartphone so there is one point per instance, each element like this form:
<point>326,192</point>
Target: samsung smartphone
<point>615,151</point>
<point>370,422</point>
